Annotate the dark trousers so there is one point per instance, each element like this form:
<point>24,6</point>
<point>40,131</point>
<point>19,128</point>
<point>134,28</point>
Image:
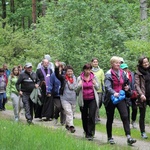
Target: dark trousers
<point>88,117</point>
<point>134,111</point>
<point>58,109</point>
<point>28,105</point>
<point>142,111</point>
<point>110,110</point>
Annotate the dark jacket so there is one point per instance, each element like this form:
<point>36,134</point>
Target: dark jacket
<point>109,86</point>
<point>54,86</point>
<point>27,84</point>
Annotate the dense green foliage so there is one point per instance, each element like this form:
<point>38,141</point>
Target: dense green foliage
<point>74,32</point>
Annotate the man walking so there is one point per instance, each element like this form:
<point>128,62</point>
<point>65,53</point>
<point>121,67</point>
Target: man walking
<point>28,81</point>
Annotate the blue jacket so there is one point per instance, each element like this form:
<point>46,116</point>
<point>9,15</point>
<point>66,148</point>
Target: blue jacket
<point>54,86</point>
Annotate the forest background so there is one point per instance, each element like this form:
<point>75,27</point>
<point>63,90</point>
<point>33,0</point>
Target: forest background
<point>74,31</point>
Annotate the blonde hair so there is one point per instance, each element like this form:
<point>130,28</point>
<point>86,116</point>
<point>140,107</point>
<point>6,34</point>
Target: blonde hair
<point>114,59</point>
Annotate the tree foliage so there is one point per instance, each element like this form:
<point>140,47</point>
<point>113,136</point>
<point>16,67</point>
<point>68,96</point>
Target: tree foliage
<point>75,32</point>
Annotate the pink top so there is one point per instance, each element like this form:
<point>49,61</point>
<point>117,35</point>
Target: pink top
<point>88,91</point>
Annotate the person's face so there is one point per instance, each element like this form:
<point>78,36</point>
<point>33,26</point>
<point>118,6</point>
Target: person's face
<point>4,67</point>
<point>29,69</point>
<point>87,72</point>
<point>95,63</point>
<point>69,72</point>
<point>1,73</point>
<point>116,65</point>
<point>16,71</point>
<point>145,63</point>
<point>45,64</point>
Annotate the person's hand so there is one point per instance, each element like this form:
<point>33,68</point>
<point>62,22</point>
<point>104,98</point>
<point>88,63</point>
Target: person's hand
<point>80,83</point>
<point>48,95</point>
<point>116,94</point>
<point>94,82</point>
<point>143,98</point>
<point>36,85</point>
<point>126,87</point>
<point>20,93</point>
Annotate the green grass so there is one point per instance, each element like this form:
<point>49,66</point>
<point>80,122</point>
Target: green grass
<point>19,136</point>
<point>118,131</point>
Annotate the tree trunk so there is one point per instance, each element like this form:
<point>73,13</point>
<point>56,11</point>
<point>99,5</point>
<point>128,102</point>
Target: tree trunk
<point>3,13</point>
<point>34,11</point>
<point>12,10</point>
<point>143,12</point>
<point>43,7</point>
<point>23,23</point>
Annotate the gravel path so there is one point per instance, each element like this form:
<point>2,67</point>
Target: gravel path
<point>100,138</point>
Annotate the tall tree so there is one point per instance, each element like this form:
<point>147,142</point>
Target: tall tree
<point>143,12</point>
<point>3,13</point>
<point>33,11</point>
<point>12,10</point>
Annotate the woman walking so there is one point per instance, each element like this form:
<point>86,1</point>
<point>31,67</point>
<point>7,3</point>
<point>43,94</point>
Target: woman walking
<point>87,85</point>
<point>12,92</point>
<point>115,82</point>
<point>142,86</point>
<point>67,93</point>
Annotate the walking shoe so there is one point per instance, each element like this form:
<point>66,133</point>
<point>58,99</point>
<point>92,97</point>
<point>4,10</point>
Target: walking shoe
<point>90,138</point>
<point>72,129</point>
<point>67,127</point>
<point>111,141</point>
<point>134,124</point>
<point>16,119</point>
<point>144,136</point>
<point>130,141</point>
<point>30,122</point>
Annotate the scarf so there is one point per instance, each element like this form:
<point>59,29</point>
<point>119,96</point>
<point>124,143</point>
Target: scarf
<point>70,79</point>
<point>95,69</point>
<point>46,77</point>
<point>146,73</point>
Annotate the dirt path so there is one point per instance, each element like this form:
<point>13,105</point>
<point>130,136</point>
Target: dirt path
<point>100,138</point>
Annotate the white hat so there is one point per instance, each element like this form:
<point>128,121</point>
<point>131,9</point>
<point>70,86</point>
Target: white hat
<point>121,60</point>
<point>48,57</point>
<point>28,65</point>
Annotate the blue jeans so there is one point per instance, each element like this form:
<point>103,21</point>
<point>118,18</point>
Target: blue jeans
<point>2,97</point>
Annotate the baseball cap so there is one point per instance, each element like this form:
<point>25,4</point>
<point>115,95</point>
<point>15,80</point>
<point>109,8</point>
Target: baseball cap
<point>28,65</point>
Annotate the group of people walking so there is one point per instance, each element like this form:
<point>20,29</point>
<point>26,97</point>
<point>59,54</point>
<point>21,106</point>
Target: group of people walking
<point>55,91</point>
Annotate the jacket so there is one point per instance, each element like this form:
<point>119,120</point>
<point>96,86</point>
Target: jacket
<point>11,86</point>
<point>109,86</point>
<point>54,86</point>
<point>35,96</point>
<point>79,92</point>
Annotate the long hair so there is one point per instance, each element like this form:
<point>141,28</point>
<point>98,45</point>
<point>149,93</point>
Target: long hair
<point>12,73</point>
<point>140,61</point>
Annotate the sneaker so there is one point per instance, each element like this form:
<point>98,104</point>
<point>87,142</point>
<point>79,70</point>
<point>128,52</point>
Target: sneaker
<point>130,141</point>
<point>55,121</point>
<point>111,141</point>
<point>30,122</point>
<point>134,124</point>
<point>144,136</point>
<point>72,129</point>
<point>67,127</point>
<point>16,119</point>
<point>90,138</point>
